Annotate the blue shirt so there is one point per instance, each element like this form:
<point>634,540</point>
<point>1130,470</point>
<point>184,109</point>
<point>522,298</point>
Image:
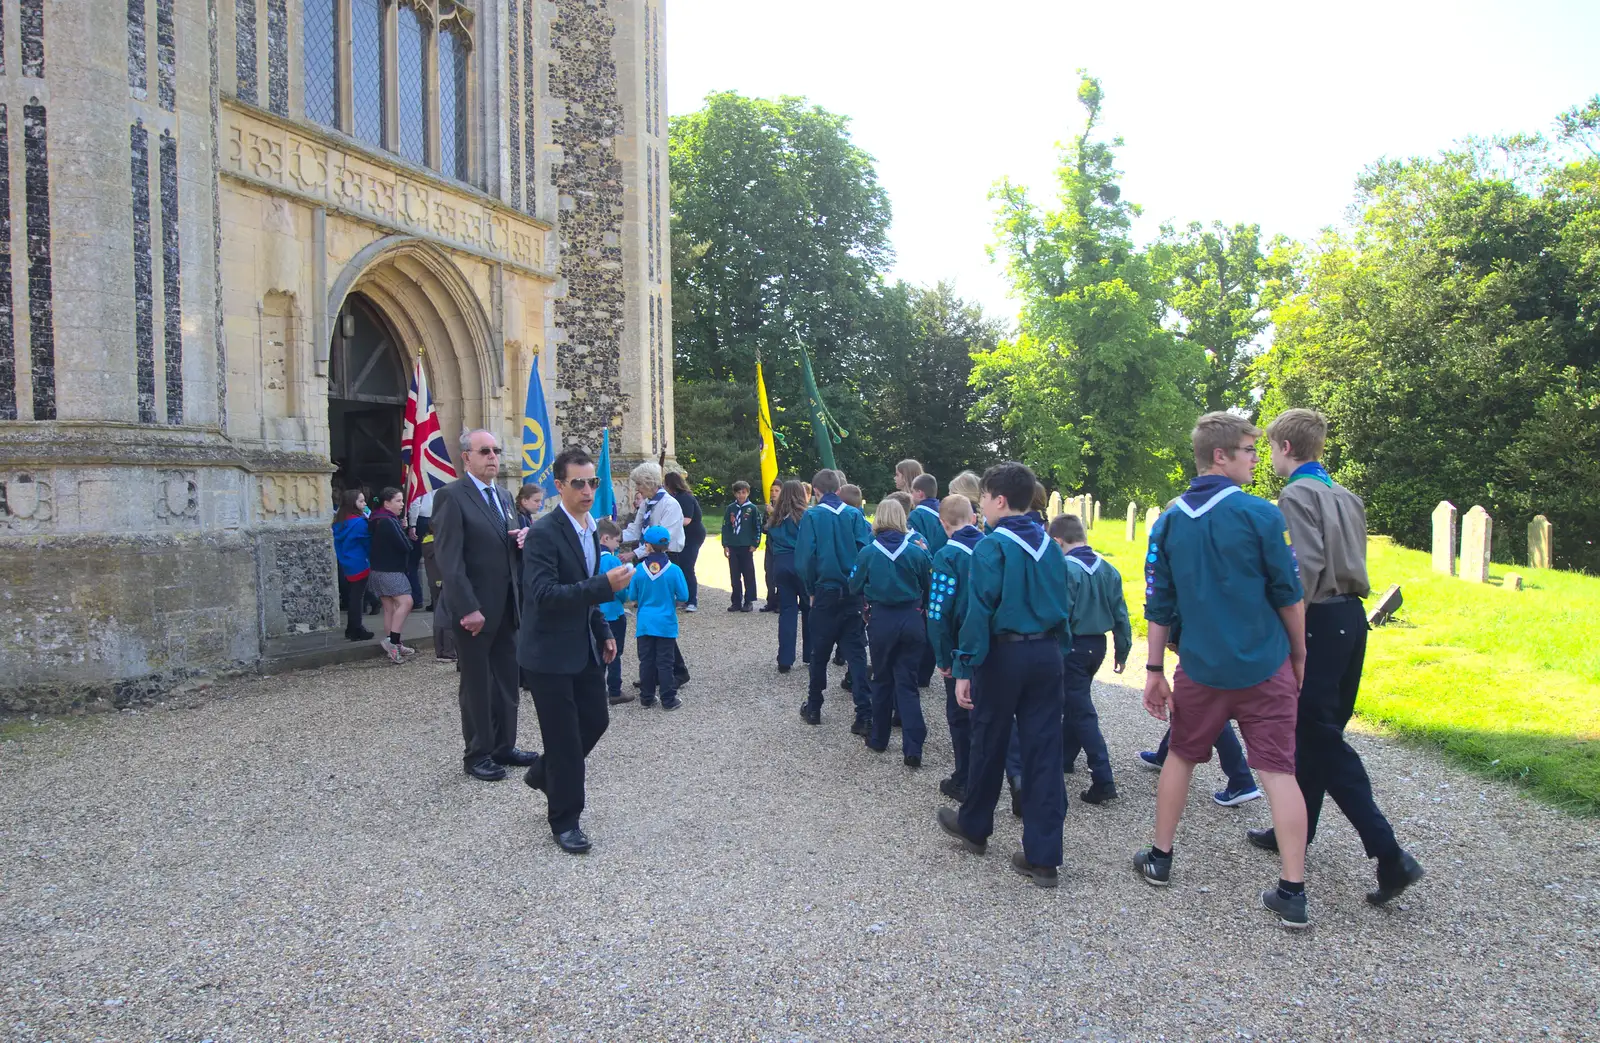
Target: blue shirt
<point>612,609</point>
<point>1221,559</point>
<point>658,585</point>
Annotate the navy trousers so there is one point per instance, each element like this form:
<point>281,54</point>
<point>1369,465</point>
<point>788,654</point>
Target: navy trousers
<point>896,637</point>
<point>1325,765</point>
<point>655,668</point>
<point>619,630</point>
<point>1080,724</point>
<point>1018,681</point>
<point>836,623</point>
<point>792,608</point>
<point>742,574</point>
<point>925,666</point>
<point>960,722</point>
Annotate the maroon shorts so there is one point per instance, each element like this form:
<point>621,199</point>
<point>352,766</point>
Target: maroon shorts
<point>1265,712</point>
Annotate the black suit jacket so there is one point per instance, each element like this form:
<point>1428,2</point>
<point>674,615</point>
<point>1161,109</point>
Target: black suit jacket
<point>562,628</point>
<point>477,556</point>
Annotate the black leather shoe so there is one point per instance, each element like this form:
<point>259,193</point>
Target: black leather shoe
<point>517,758</point>
<point>533,778</point>
<point>784,669</point>
<point>1042,876</point>
<point>574,841</point>
<point>620,698</point>
<point>1265,839</point>
<point>809,715</point>
<point>913,761</point>
<point>1099,793</point>
<point>949,788</point>
<point>359,635</point>
<point>1395,878</point>
<point>486,770</point>
<point>950,823</point>
<point>861,727</point>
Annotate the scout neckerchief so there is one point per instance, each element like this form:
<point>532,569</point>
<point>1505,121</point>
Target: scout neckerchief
<point>832,502</point>
<point>1205,492</point>
<point>655,564</point>
<point>741,511</point>
<point>966,537</point>
<point>649,506</point>
<point>1312,469</point>
<point>891,543</point>
<point>1085,557</point>
<point>1026,531</point>
<point>931,505</point>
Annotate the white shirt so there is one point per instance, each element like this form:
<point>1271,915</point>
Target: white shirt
<point>666,514</point>
<point>499,506</point>
<point>585,531</point>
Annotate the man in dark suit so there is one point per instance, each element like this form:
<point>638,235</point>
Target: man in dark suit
<point>565,643</point>
<point>475,547</point>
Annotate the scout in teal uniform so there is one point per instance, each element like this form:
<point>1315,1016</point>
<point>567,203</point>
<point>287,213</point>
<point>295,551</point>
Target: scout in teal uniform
<point>658,588</point>
<point>790,602</point>
<point>892,572</point>
<point>742,522</point>
<point>616,616</point>
<point>947,608</point>
<point>831,534</point>
<point>1221,559</point>
<point>924,521</point>
<point>1011,640</point>
<point>1094,589</point>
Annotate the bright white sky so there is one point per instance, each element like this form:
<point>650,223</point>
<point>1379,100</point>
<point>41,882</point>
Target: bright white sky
<point>1233,110</point>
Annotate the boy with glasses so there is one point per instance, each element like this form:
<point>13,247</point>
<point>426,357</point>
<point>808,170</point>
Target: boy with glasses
<point>1221,559</point>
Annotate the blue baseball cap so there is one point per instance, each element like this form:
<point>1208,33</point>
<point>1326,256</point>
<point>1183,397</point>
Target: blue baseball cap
<point>657,534</point>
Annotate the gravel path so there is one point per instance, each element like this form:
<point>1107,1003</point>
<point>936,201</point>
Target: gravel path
<point>300,857</point>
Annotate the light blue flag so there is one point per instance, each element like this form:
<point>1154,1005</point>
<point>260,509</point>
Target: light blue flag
<point>605,497</point>
<point>536,455</point>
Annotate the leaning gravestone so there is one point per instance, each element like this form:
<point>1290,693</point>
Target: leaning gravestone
<point>1512,581</point>
<point>1539,543</point>
<point>1444,538</point>
<point>1386,607</point>
<point>1055,506</point>
<point>1150,517</point>
<point>1133,521</point>
<point>1477,533</point>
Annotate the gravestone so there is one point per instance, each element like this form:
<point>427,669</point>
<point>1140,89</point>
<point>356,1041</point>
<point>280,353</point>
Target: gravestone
<point>1539,542</point>
<point>1386,607</point>
<point>1055,506</point>
<point>1513,581</point>
<point>1477,534</point>
<point>1150,517</point>
<point>1095,515</point>
<point>1133,521</point>
<point>1444,538</point>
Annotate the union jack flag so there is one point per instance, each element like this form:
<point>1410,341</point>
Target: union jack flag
<point>422,448</point>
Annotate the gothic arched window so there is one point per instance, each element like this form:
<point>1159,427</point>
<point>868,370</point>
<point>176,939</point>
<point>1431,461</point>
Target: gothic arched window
<point>322,61</point>
<point>367,70</point>
<point>454,51</point>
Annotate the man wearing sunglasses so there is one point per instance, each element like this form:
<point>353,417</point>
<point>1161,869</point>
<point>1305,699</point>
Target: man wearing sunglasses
<point>565,643</point>
<point>475,548</point>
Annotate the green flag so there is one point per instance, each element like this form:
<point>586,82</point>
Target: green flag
<point>823,427</point>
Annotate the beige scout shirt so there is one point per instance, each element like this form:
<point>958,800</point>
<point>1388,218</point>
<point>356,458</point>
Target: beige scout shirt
<point>1328,525</point>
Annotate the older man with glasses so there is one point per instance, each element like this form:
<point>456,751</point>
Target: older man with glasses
<point>477,547</point>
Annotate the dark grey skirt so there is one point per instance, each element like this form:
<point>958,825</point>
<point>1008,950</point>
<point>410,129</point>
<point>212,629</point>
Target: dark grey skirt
<point>389,584</point>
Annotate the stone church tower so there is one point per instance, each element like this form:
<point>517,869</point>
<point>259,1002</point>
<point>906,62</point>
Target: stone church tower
<point>229,228</point>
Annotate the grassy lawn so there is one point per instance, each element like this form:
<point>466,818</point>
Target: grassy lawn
<point>1507,682</point>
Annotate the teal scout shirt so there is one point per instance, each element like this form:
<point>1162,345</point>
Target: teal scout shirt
<point>1016,588</point>
<point>612,609</point>
<point>831,535</point>
<point>892,571</point>
<point>781,537</point>
<point>947,601</point>
<point>741,524</point>
<point>924,518</point>
<point>1221,559</point>
<point>1094,588</point>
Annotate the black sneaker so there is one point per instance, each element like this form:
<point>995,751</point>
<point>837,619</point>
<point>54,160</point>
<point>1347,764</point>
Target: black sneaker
<point>735,608</point>
<point>1265,839</point>
<point>950,789</point>
<point>810,714</point>
<point>1016,797</point>
<point>784,669</point>
<point>671,704</point>
<point>861,727</point>
<point>1099,793</point>
<point>620,698</point>
<point>1291,911</point>
<point>913,761</point>
<point>951,823</point>
<point>647,703</point>
<point>1042,876</point>
<point>769,607</point>
<point>1394,878</point>
<point>749,608</point>
<point>1155,870</point>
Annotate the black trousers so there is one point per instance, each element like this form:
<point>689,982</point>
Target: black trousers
<point>656,656</point>
<point>488,689</point>
<point>836,623</point>
<point>355,594</point>
<point>960,722</point>
<point>1325,765</point>
<point>685,560</point>
<point>742,573</point>
<point>572,716</point>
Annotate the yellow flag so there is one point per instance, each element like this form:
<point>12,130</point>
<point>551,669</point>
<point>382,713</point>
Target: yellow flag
<point>769,448</point>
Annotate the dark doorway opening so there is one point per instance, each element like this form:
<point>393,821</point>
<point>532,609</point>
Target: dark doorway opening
<point>367,386</point>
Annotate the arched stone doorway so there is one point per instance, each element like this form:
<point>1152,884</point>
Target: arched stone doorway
<point>368,378</point>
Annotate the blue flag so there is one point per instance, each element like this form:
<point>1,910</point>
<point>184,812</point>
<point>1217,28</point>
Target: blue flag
<point>605,497</point>
<point>536,455</point>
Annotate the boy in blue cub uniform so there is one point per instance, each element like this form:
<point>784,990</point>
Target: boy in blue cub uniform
<point>1094,590</point>
<point>924,521</point>
<point>616,616</point>
<point>893,572</point>
<point>947,609</point>
<point>832,534</point>
<point>742,522</point>
<point>658,588</point>
<point>1012,640</point>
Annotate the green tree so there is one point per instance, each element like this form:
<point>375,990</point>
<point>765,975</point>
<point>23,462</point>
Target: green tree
<point>1094,391</point>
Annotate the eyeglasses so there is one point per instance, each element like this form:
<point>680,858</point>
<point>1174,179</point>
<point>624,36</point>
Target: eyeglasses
<point>1251,449</point>
<point>582,483</point>
<point>489,450</point>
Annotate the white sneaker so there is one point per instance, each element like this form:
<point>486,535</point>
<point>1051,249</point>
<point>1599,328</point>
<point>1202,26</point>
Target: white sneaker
<point>691,608</point>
